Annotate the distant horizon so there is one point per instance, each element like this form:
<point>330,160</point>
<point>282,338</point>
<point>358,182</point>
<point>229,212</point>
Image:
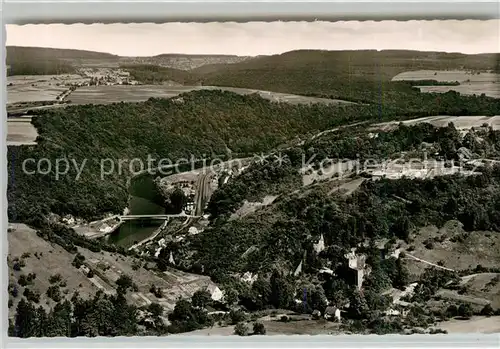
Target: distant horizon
<point>261,55</point>
<point>261,38</point>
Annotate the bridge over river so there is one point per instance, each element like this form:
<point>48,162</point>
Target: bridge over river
<point>154,216</point>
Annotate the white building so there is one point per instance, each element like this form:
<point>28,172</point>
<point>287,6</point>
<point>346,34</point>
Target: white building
<point>320,245</point>
<point>248,277</point>
<point>215,293</point>
<point>171,258</point>
<point>298,270</point>
<point>193,231</point>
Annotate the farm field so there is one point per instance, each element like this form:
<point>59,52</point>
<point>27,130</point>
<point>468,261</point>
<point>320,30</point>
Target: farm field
<point>275,327</point>
<point>21,131</point>
<point>139,93</point>
<point>488,88</point>
<point>477,324</point>
<point>37,88</point>
<point>460,122</point>
<point>470,84</point>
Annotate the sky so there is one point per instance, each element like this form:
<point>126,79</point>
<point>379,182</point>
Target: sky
<point>261,38</point>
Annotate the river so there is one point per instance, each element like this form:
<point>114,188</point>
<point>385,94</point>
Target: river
<point>144,199</point>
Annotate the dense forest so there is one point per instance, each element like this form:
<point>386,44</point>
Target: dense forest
<point>170,129</point>
<point>153,74</point>
<point>46,61</point>
<point>353,75</point>
<point>275,177</point>
<point>46,67</point>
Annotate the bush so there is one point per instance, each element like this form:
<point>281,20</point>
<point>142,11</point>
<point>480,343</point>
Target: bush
<point>54,293</point>
<point>237,316</point>
<point>487,310</point>
<point>78,261</point>
<point>241,329</point>
<point>55,278</point>
<point>465,310</point>
<point>259,328</point>
<point>32,296</point>
<point>284,318</point>
<point>23,281</point>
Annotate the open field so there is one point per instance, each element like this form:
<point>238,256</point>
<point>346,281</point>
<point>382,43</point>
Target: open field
<point>139,93</point>
<point>36,88</point>
<point>487,83</point>
<point>489,89</point>
<point>460,122</point>
<point>481,289</point>
<point>477,324</point>
<point>457,249</point>
<point>21,131</point>
<point>447,76</point>
<point>276,327</point>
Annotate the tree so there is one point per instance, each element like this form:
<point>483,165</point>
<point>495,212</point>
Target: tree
<point>28,320</point>
<point>259,328</point>
<point>281,291</point>
<point>465,310</point>
<point>317,299</point>
<point>177,201</point>
<point>155,309</point>
<point>201,298</point>
<point>54,293</point>
<point>241,329</point>
<point>230,296</point>
<point>59,320</point>
<point>124,282</point>
<point>358,308</point>
<point>237,316</point>
<point>487,310</point>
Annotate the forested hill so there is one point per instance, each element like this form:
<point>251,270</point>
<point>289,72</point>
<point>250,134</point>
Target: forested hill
<point>355,75</point>
<point>202,123</point>
<point>363,75</point>
<point>15,53</point>
<point>44,60</point>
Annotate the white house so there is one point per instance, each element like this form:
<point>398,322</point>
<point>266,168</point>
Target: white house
<point>392,312</point>
<point>215,293</point>
<point>171,258</point>
<point>248,277</point>
<point>193,231</point>
<point>298,270</point>
<point>320,246</point>
<point>326,271</point>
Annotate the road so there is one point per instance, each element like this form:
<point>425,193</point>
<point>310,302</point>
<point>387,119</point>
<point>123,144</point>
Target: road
<point>202,193</point>
<point>426,262</point>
